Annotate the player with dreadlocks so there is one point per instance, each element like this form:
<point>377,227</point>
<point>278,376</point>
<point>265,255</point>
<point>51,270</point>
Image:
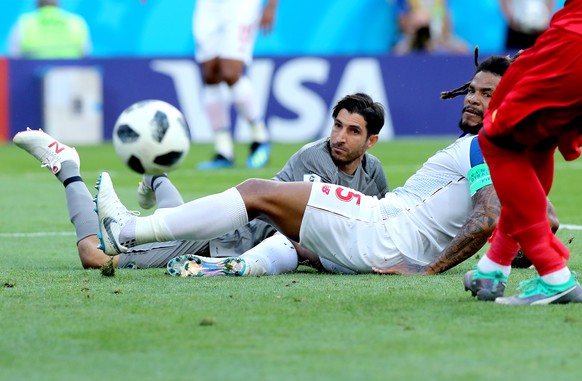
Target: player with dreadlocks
<point>536,110</point>
<point>441,216</point>
<point>481,223</point>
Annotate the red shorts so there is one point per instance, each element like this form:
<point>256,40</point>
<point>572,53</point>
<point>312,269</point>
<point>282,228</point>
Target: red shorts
<point>540,95</point>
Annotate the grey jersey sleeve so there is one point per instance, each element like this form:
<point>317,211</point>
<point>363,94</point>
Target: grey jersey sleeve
<point>313,163</point>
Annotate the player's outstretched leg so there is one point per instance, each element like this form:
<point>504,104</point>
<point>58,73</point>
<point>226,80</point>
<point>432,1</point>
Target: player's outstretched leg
<point>63,161</point>
<point>485,286</point>
<point>193,265</point>
<point>113,217</point>
<point>536,291</point>
<point>50,152</point>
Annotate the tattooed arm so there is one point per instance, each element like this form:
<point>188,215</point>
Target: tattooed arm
<point>471,237</point>
<point>474,233</point>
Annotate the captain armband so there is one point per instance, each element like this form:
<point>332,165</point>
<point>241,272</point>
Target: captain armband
<point>478,177</point>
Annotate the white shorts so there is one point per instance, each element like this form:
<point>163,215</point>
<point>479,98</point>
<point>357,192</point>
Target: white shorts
<point>226,29</point>
<point>347,228</point>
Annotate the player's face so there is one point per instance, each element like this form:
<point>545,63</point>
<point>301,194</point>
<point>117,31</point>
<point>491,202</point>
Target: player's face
<point>349,140</point>
<point>477,101</point>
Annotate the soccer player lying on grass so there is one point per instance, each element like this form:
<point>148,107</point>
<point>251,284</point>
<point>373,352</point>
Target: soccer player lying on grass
<point>342,158</point>
<point>441,216</point>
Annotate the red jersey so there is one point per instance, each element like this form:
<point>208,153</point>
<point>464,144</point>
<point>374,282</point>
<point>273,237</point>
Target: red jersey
<point>569,17</point>
<point>539,96</point>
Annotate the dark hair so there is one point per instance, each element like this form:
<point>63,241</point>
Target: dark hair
<point>494,64</point>
<point>363,104</point>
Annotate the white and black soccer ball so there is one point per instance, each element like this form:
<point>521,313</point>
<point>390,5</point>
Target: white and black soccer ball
<point>151,137</point>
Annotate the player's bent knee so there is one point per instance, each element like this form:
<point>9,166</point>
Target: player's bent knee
<point>255,188</point>
<point>257,194</point>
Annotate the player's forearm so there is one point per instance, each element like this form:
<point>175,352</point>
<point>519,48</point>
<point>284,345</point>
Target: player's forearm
<point>460,249</point>
<point>473,234</point>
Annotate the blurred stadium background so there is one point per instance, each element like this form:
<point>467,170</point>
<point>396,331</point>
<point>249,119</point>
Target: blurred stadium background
<point>318,52</point>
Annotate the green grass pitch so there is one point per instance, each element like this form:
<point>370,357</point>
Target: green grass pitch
<point>60,322</point>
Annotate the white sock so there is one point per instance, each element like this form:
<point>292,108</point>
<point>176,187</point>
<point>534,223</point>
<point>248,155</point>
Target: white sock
<point>217,101</point>
<point>244,99</point>
<point>223,143</point>
<point>205,218</point>
<point>259,132</point>
<point>486,265</point>
<point>246,105</point>
<point>558,277</point>
<point>275,255</point>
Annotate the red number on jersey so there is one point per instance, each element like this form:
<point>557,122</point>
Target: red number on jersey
<point>349,196</point>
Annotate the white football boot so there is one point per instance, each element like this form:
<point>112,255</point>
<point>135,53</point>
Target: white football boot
<point>113,217</point>
<point>50,152</point>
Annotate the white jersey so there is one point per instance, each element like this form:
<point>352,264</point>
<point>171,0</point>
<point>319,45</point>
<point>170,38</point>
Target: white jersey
<point>413,223</point>
<point>226,29</point>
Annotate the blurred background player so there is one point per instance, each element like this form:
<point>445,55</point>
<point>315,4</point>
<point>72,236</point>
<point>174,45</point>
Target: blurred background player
<point>50,32</point>
<point>225,33</point>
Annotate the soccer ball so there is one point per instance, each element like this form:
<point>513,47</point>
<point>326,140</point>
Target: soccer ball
<point>151,137</point>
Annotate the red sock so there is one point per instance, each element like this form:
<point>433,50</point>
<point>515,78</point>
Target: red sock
<point>503,247</point>
<point>543,249</point>
<point>524,206</point>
